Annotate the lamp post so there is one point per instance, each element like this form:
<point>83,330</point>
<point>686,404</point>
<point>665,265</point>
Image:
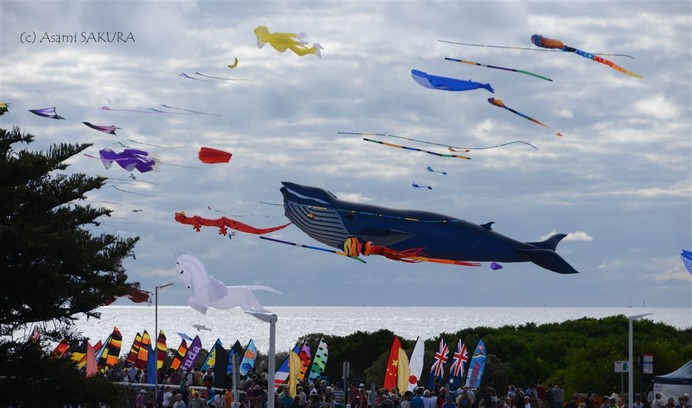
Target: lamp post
<point>270,318</point>
<point>156,330</point>
<point>630,377</point>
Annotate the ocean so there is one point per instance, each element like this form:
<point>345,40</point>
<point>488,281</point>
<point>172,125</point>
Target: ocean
<point>296,321</point>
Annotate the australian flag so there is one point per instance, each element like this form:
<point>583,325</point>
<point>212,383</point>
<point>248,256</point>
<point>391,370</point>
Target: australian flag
<point>460,359</point>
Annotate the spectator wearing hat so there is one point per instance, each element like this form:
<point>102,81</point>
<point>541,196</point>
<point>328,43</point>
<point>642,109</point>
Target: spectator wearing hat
<point>139,401</point>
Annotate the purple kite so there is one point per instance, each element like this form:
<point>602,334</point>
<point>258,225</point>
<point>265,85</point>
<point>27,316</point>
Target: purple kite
<point>104,129</point>
<point>46,113</point>
<point>129,159</point>
<point>495,266</point>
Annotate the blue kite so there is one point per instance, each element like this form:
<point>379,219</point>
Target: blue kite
<point>447,84</point>
<point>409,235</point>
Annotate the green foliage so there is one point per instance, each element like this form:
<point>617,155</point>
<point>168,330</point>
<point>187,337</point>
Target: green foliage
<point>56,269</point>
<point>579,354</point>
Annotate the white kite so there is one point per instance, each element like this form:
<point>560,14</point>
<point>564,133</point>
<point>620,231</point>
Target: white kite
<point>211,292</point>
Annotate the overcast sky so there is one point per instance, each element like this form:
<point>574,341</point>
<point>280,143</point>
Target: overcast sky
<point>619,181</point>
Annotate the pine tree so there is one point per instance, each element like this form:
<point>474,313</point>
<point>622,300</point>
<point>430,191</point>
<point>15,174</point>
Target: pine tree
<point>54,268</point>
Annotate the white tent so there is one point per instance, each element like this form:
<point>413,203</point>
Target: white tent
<point>675,384</point>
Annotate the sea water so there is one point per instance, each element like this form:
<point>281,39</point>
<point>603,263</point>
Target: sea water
<point>294,322</point>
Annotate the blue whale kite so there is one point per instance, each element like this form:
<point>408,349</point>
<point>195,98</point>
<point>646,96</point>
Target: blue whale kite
<point>446,83</point>
<point>420,235</point>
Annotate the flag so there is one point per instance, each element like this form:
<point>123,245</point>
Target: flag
<point>192,353</point>
<point>319,360</point>
<point>35,335</point>
<point>161,349</point>
<point>132,356</point>
<point>281,374</point>
<point>460,359</point>
<point>143,352</point>
<point>210,361</point>
<point>91,368</point>
<point>179,355</point>
<point>60,349</point>
<point>78,351</point>
<point>477,366</point>
<point>416,364</point>
<point>294,366</point>
<point>85,348</point>
<point>111,350</point>
<point>390,374</point>
<point>248,361</point>
<point>236,350</point>
<point>305,358</point>
<point>220,366</point>
<point>403,371</point>
<point>438,366</point>
<point>151,365</point>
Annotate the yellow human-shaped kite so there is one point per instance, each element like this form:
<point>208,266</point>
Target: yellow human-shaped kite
<point>286,41</point>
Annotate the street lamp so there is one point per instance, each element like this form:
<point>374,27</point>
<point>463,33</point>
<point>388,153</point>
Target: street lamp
<point>630,377</point>
<point>271,319</point>
<point>156,330</point>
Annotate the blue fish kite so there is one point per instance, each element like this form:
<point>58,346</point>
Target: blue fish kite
<point>447,84</point>
<point>440,237</point>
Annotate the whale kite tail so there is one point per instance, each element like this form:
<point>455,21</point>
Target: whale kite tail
<point>543,254</point>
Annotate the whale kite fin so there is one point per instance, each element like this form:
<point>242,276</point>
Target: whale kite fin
<point>548,259</point>
<point>550,243</point>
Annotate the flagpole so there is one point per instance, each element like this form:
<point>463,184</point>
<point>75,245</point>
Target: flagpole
<point>270,318</point>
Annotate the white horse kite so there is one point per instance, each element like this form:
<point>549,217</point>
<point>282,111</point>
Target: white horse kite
<point>211,292</point>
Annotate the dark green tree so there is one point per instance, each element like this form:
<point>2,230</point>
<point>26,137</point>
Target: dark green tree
<point>55,269</point>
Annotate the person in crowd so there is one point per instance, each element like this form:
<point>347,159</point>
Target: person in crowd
<point>168,399</point>
<point>197,402</point>
<point>139,401</point>
<point>658,401</point>
<point>540,393</point>
<point>179,402</point>
<point>185,390</point>
<point>465,400</point>
<point>362,397</point>
<point>449,402</point>
<point>417,400</point>
<point>406,399</point>
<point>228,398</point>
<point>558,395</point>
<point>638,402</point>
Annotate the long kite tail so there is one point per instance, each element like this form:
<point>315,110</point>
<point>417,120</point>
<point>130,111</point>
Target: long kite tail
<point>458,156</point>
<point>312,247</point>
<point>529,49</point>
<point>606,62</point>
<point>496,67</point>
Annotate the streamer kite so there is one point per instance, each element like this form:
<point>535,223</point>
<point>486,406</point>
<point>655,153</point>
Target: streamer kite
<point>416,149</point>
<point>501,68</point>
<point>312,247</point>
<point>552,44</point>
<point>528,49</point>
<point>430,169</point>
<point>105,129</point>
<point>416,185</point>
<point>210,156</point>
<point>500,104</point>
<point>419,235</point>
<point>223,224</point>
<point>450,148</point>
<point>129,159</point>
<point>46,113</point>
<point>446,83</point>
<point>148,110</point>
<point>286,41</point>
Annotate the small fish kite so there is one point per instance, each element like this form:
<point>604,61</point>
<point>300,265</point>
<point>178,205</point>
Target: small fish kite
<point>447,84</point>
<point>552,44</point>
<point>211,156</point>
<point>686,257</point>
<point>234,64</point>
<point>558,134</point>
<point>223,224</point>
<point>430,169</point>
<point>416,149</point>
<point>496,67</point>
<point>4,108</point>
<point>416,185</point>
<point>46,113</point>
<point>211,292</point>
<point>135,294</point>
<point>500,104</point>
<point>286,41</point>
<point>130,159</point>
<point>105,129</point>
<point>201,327</point>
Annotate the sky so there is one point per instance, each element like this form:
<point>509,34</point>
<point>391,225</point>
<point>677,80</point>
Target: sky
<point>618,182</point>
